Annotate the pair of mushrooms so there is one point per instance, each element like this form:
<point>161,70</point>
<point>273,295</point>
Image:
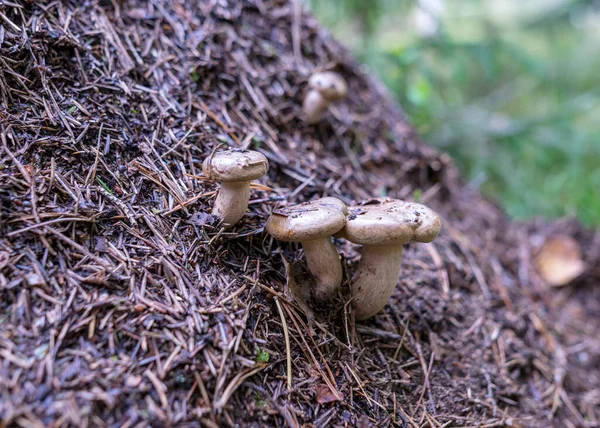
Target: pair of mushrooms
<point>323,89</point>
<point>382,227</point>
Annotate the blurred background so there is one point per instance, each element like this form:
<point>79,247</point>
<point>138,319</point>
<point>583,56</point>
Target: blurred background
<point>509,88</point>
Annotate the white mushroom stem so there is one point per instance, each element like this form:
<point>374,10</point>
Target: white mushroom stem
<point>314,106</point>
<point>376,279</point>
<point>232,201</point>
<point>323,261</point>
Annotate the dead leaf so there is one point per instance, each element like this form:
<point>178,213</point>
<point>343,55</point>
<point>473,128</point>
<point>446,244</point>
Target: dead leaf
<point>101,245</point>
<point>364,422</point>
<point>34,279</point>
<point>132,381</point>
<point>324,394</point>
<point>202,219</point>
<point>559,261</point>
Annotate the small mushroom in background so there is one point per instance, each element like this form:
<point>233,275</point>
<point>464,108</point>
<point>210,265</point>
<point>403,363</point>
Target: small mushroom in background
<point>234,169</point>
<point>324,88</point>
<point>312,224</point>
<point>559,261</point>
<point>382,228</point>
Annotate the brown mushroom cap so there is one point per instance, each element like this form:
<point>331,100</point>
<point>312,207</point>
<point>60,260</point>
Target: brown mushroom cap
<point>391,222</point>
<point>331,85</point>
<point>308,221</point>
<point>235,165</point>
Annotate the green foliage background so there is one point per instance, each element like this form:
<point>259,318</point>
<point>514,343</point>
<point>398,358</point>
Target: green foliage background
<point>510,88</point>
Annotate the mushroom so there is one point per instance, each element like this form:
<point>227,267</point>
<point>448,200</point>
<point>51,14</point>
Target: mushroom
<point>382,227</point>
<point>234,169</point>
<point>325,87</point>
<point>312,224</point>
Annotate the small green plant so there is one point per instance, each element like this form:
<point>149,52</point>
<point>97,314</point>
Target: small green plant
<point>262,357</point>
<point>257,142</point>
<point>417,194</point>
<point>259,400</point>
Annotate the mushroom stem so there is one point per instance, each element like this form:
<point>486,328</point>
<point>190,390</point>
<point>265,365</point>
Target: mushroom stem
<point>376,278</point>
<point>314,106</point>
<point>232,201</point>
<point>323,261</point>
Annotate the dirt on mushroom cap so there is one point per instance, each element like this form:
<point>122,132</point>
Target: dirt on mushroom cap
<point>235,165</point>
<point>330,85</point>
<point>391,222</point>
<point>307,221</point>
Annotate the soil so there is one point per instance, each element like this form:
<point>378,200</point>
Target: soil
<point>124,303</point>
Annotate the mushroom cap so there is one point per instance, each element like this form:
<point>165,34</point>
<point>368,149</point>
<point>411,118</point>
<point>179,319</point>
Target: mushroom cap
<point>308,221</point>
<point>235,165</point>
<point>385,221</point>
<point>330,85</point>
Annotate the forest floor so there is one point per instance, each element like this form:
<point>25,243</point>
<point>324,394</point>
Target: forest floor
<point>123,302</point>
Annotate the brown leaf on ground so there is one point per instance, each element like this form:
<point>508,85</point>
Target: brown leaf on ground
<point>324,395</point>
<point>559,261</point>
